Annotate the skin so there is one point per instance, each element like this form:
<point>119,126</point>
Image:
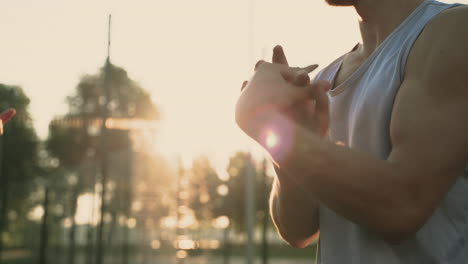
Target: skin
<point>428,132</point>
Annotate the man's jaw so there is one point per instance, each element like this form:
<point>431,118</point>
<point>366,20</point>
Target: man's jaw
<point>341,2</point>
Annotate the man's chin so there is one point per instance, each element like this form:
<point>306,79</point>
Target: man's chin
<point>341,2</point>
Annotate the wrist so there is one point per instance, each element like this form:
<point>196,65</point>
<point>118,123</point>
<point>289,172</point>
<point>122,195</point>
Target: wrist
<point>278,137</point>
<point>307,154</point>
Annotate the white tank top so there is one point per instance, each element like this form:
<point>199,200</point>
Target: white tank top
<point>360,110</point>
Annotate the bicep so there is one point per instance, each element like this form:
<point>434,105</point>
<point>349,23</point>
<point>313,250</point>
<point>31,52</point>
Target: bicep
<point>429,125</point>
<point>429,138</point>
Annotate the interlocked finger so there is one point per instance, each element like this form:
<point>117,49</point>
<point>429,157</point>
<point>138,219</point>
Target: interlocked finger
<point>279,56</point>
<point>298,76</point>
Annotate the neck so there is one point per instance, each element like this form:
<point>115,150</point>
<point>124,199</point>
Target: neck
<point>379,18</point>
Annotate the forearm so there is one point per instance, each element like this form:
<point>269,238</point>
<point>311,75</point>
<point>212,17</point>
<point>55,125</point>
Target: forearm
<point>294,213</point>
<point>365,190</point>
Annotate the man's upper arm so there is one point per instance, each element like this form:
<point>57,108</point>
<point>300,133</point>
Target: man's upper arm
<point>429,126</point>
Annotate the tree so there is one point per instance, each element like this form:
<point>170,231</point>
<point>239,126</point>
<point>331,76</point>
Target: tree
<point>204,183</point>
<point>233,204</point>
<point>127,98</point>
<point>19,160</point>
<point>79,129</point>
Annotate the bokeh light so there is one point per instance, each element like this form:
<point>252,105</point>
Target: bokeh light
<point>221,222</point>
<point>181,254</point>
<point>155,244</point>
<point>131,223</point>
<point>222,190</point>
<point>184,243</point>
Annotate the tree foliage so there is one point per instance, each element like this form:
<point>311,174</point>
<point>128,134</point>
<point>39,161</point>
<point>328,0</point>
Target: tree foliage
<point>127,99</point>
<point>75,138</point>
<point>19,143</point>
<point>19,168</point>
<point>239,167</point>
<point>204,198</point>
<point>208,203</point>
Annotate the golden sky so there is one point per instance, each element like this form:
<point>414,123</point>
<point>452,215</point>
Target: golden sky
<point>191,55</point>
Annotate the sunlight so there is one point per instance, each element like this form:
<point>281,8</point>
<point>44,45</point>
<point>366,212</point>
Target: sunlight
<point>181,254</point>
<point>87,211</point>
<point>221,222</point>
<point>67,222</point>
<point>222,190</point>
<point>169,222</point>
<point>186,221</point>
<point>185,243</point>
<point>131,223</point>
<point>271,139</point>
<point>137,206</point>
<point>111,123</point>
<point>278,136</point>
<point>36,213</point>
<point>209,244</point>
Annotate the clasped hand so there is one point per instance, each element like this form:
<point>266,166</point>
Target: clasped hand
<point>283,97</point>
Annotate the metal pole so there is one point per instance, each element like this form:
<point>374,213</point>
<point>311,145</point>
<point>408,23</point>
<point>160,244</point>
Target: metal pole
<point>227,245</point>
<point>103,150</point>
<point>90,231</point>
<point>127,204</point>
<point>250,210</point>
<point>178,202</point>
<point>250,180</point>
<point>72,234</point>
<point>44,229</point>
<point>265,215</point>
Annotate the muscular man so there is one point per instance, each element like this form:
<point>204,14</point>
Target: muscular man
<point>373,153</point>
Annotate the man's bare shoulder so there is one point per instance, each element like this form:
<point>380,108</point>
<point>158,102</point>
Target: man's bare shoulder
<point>447,28</point>
<point>452,16</point>
<point>442,46</point>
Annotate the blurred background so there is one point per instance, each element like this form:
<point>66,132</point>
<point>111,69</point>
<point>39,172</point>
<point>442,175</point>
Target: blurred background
<point>128,152</point>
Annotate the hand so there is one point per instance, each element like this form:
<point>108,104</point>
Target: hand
<point>5,116</point>
<point>277,95</point>
<point>314,113</point>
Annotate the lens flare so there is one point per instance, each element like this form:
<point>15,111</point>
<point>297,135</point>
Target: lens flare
<point>277,136</point>
<point>271,139</point>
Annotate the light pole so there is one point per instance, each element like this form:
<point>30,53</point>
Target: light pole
<point>44,228</point>
<point>265,214</point>
<point>250,175</point>
<point>250,209</point>
<point>103,154</point>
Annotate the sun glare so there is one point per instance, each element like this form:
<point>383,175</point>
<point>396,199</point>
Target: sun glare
<point>271,139</point>
<point>88,209</point>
